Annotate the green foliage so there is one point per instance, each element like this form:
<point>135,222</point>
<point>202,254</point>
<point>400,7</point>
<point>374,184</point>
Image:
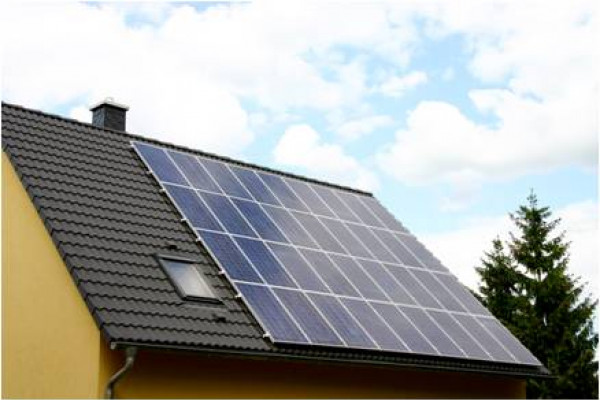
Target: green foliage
<point>526,285</point>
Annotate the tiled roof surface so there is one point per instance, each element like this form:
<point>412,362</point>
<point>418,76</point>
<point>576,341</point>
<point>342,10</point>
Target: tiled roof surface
<point>108,219</point>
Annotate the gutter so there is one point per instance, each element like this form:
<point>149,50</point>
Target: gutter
<point>534,372</point>
<point>130,353</point>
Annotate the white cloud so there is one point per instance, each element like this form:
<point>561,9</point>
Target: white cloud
<point>541,116</point>
<point>357,128</point>
<point>462,249</point>
<point>301,146</point>
<point>185,73</point>
<point>397,86</point>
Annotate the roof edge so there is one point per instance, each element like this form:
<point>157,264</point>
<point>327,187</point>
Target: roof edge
<point>174,146</point>
<point>446,366</point>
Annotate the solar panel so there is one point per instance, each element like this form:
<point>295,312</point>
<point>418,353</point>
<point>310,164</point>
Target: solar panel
<point>319,265</point>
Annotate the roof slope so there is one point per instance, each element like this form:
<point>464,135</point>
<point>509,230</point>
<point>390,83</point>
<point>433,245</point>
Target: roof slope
<point>109,220</point>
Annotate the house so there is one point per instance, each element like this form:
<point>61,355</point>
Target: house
<point>108,288</point>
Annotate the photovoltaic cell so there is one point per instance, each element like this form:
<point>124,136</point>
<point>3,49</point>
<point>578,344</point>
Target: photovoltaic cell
<point>160,164</point>
<point>298,268</point>
<point>229,216</point>
<point>509,341</point>
<point>308,317</point>
<point>375,247</point>
<point>262,224</point>
<point>329,273</point>
<point>194,172</point>
<point>459,335</point>
<point>282,192</point>
<point>362,212</point>
<point>345,237</point>
<point>359,278</point>
<point>444,297</point>
<point>225,178</point>
<point>193,208</point>
<point>271,314</point>
<point>310,198</point>
<point>335,204</point>
<point>229,256</point>
<point>264,262</point>
<point>397,248</point>
<point>436,336</point>
<point>379,331</point>
<point>387,282</point>
<point>254,185</point>
<point>404,328</point>
<point>417,291</point>
<point>421,252</point>
<point>290,227</point>
<point>345,325</point>
<point>492,346</point>
<point>321,265</point>
<point>384,215</point>
<point>325,239</point>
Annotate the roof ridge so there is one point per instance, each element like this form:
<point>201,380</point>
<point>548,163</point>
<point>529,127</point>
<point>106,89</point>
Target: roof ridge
<point>135,136</point>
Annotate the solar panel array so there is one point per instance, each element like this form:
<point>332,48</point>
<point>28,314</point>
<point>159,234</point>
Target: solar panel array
<point>325,266</point>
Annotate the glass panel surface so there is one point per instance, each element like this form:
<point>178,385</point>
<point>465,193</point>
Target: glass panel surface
<point>227,214</point>
<point>271,314</point>
<point>283,193</point>
<point>379,331</point>
<point>193,208</point>
<point>229,256</point>
<point>340,319</point>
<point>160,164</point>
<point>404,328</point>
<point>387,282</point>
<point>384,215</point>
<point>188,278</point>
<point>264,262</point>
<point>462,294</point>
<point>371,242</point>
<point>298,268</point>
<point>225,178</point>
<point>346,238</point>
<point>336,281</point>
<point>290,227</point>
<point>319,233</point>
<point>509,341</point>
<point>310,198</point>
<point>194,172</point>
<point>335,204</point>
<point>308,317</point>
<point>424,255</point>
<point>399,250</point>
<point>441,294</point>
<point>458,334</point>
<point>362,212</point>
<point>361,280</point>
<point>413,286</point>
<point>255,185</point>
<point>435,335</point>
<point>261,223</point>
<point>483,337</point>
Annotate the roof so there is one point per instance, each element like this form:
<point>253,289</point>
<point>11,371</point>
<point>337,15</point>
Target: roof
<point>108,220</point>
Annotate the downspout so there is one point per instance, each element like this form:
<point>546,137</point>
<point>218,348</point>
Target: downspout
<point>130,353</point>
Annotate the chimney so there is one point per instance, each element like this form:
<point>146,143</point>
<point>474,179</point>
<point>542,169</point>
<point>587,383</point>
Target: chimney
<point>109,114</point>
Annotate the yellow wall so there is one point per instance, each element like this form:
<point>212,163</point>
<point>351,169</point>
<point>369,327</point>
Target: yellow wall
<point>50,343</point>
<point>174,375</point>
<point>51,347</point>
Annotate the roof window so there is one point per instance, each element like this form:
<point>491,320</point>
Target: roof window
<point>189,281</point>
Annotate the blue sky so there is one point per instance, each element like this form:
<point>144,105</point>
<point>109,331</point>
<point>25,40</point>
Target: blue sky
<point>449,114</point>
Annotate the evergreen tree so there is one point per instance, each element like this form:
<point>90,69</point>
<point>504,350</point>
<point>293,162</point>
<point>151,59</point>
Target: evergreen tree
<point>525,284</point>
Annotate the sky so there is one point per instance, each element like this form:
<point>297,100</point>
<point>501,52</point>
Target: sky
<point>450,113</point>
